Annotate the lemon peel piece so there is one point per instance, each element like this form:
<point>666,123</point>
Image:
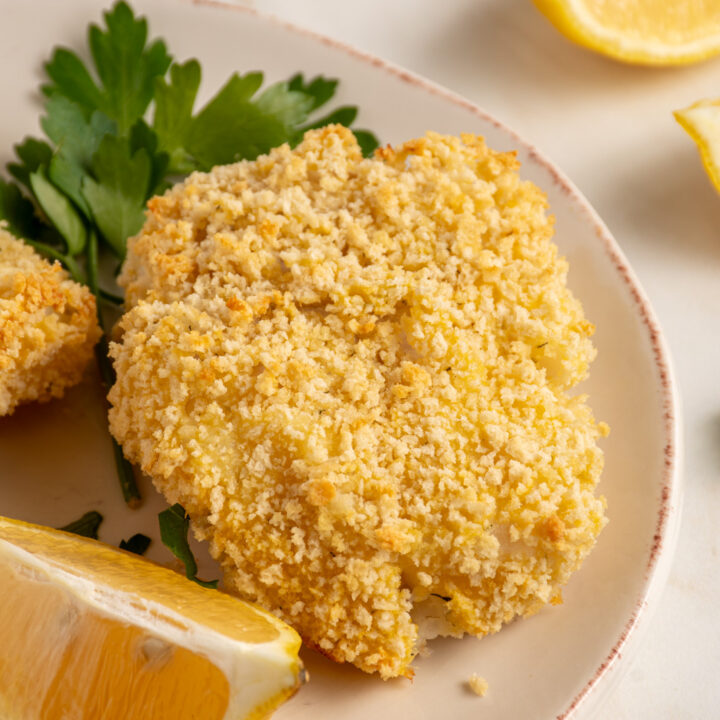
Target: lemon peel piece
<point>99,632</point>
<point>645,32</point>
<point>701,121</point>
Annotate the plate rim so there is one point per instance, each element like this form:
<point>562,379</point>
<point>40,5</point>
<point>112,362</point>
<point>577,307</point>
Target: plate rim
<point>668,511</point>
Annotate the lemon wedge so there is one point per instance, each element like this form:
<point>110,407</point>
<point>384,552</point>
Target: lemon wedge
<point>648,32</point>
<point>90,632</point>
<point>702,122</point>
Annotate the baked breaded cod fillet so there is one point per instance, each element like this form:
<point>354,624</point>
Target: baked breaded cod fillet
<point>48,326</point>
<point>355,375</point>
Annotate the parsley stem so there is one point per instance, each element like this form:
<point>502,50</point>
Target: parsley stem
<point>93,282</point>
<point>68,261</point>
<point>125,472</point>
<point>87,525</point>
<point>108,297</point>
<point>92,272</point>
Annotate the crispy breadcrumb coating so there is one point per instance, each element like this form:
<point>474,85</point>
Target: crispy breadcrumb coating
<point>48,326</point>
<point>479,685</point>
<point>353,373</point>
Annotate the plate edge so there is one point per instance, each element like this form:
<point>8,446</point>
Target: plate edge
<point>665,536</point>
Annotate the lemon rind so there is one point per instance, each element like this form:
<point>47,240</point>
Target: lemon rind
<point>273,664</point>
<point>573,20</point>
<point>686,119</point>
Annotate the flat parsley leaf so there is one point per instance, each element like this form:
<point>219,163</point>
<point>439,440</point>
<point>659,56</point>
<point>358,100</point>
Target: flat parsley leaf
<point>108,161</point>
<point>320,89</point>
<point>238,123</point>
<point>125,67</point>
<point>32,154</point>
<point>60,211</point>
<point>74,135</point>
<point>137,544</point>
<point>229,127</point>
<point>117,191</point>
<point>76,138</point>
<point>174,526</point>
<point>87,525</point>
<point>143,137</point>
<point>233,127</point>
<point>17,212</point>
<point>367,141</point>
<point>341,116</point>
<point>287,107</point>
<point>174,101</point>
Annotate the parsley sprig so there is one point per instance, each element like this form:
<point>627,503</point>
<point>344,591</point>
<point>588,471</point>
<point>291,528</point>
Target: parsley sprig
<point>89,524</point>
<point>120,129</point>
<point>174,527</point>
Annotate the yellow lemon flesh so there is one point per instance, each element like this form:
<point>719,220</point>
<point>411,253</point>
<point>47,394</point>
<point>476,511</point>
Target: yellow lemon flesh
<point>702,122</point>
<point>90,632</point>
<point>648,32</point>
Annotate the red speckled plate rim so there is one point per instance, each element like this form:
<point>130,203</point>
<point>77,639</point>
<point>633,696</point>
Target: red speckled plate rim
<point>668,510</point>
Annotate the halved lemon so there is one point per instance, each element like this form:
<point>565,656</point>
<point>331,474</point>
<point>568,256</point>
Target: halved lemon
<point>89,632</point>
<point>648,32</point>
<point>702,122</point>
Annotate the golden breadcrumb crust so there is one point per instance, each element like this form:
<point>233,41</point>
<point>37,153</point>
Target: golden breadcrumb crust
<point>354,373</point>
<point>48,326</point>
<point>479,685</point>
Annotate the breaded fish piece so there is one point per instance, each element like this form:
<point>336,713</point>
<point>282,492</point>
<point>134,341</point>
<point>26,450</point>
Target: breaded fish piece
<point>48,326</point>
<point>354,373</point>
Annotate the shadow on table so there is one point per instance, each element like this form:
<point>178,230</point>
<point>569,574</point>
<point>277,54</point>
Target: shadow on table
<point>680,215</point>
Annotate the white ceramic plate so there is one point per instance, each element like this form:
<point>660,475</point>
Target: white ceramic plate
<point>55,460</point>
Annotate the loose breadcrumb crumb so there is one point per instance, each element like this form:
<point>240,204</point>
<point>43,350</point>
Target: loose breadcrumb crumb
<point>479,685</point>
<point>48,326</point>
<point>354,374</point>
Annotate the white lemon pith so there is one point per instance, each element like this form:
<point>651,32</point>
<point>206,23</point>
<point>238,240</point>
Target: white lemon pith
<point>702,122</point>
<point>97,632</point>
<point>649,32</point>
